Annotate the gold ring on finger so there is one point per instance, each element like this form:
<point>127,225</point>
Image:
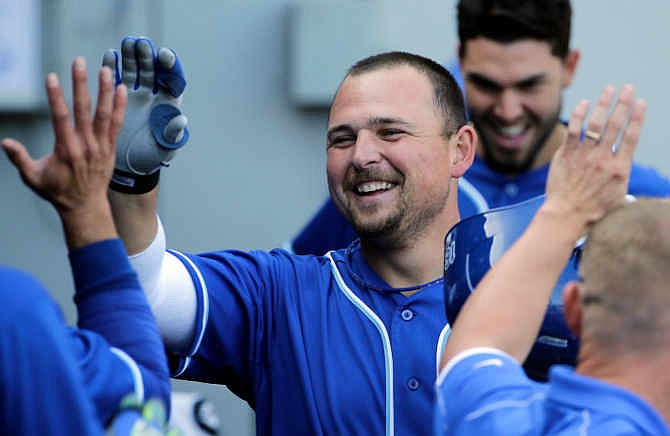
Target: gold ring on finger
<point>593,136</point>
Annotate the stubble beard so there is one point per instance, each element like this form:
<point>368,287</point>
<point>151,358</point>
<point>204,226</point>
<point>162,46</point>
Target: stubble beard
<point>384,227</point>
<point>512,167</point>
<point>400,228</point>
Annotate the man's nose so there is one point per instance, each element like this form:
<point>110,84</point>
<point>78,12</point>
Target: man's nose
<point>508,106</point>
<point>367,149</point>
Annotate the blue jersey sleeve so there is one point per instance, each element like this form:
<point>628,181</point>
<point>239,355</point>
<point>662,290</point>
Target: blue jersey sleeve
<point>118,347</point>
<point>43,391</point>
<point>486,392</point>
<point>234,291</point>
<point>242,298</point>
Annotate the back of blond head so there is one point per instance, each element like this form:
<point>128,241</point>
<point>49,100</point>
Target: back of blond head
<point>626,278</point>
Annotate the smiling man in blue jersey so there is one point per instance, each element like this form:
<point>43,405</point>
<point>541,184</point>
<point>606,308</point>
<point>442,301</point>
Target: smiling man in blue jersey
<point>344,344</point>
<point>515,61</point>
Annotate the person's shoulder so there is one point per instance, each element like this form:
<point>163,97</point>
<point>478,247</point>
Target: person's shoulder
<point>287,266</point>
<point>10,273</point>
<point>486,382</point>
<point>17,285</point>
<point>282,255</point>
<point>646,180</point>
<point>610,409</point>
<point>24,299</point>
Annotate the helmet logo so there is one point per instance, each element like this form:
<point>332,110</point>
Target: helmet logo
<point>449,251</point>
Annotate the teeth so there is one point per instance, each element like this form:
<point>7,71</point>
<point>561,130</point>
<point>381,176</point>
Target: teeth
<point>365,188</point>
<point>512,130</point>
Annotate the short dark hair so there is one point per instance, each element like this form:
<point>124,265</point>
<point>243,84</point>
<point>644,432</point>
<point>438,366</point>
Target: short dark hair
<point>448,97</point>
<point>511,20</point>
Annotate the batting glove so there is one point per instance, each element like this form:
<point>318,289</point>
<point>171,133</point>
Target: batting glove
<point>154,126</point>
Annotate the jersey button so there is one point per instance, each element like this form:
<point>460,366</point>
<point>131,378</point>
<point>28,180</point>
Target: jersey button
<point>407,314</point>
<point>413,383</point>
<point>512,189</point>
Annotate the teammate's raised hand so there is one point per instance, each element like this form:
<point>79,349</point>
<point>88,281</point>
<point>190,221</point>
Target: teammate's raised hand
<point>75,176</point>
<point>155,126</point>
<point>588,176</point>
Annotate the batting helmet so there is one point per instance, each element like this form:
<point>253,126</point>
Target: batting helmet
<point>476,243</point>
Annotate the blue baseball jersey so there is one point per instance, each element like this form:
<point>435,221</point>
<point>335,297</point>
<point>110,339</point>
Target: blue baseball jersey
<point>58,379</point>
<point>315,344</point>
<point>479,190</point>
<point>43,391</point>
<point>486,392</point>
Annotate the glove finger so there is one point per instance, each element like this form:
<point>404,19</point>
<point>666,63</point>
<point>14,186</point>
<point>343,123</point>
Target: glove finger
<point>111,59</point>
<point>161,116</point>
<point>169,73</point>
<point>129,76</point>
<point>104,105</point>
<point>144,50</point>
<point>174,131</point>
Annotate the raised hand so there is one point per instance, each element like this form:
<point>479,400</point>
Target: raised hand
<point>75,176</point>
<point>154,126</point>
<point>588,176</point>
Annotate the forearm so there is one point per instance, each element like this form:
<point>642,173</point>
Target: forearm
<point>506,309</point>
<point>135,218</point>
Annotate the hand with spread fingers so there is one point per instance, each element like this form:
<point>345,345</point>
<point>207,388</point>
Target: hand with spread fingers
<point>75,176</point>
<point>155,126</point>
<point>588,174</point>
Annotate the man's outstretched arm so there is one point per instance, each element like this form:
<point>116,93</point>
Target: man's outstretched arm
<point>152,132</point>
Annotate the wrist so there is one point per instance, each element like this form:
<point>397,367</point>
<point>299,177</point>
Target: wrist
<point>86,225</point>
<point>563,222</point>
<point>135,217</point>
<point>130,183</point>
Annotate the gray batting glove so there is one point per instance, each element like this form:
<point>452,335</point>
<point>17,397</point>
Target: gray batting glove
<point>154,126</point>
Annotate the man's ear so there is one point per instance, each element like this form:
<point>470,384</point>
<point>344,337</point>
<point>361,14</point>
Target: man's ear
<point>570,67</point>
<point>464,144</point>
<point>572,307</point>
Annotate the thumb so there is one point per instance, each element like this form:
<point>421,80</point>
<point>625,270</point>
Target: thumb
<point>174,131</point>
<point>18,155</point>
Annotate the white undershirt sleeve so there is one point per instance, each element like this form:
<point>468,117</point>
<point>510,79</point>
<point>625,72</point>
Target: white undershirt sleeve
<point>170,292</point>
